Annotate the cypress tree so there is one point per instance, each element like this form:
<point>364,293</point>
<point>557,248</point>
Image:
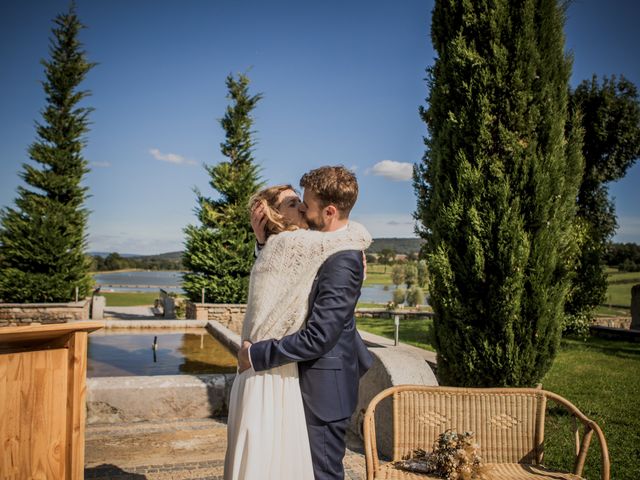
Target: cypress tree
<point>497,189</point>
<point>43,239</point>
<point>219,253</point>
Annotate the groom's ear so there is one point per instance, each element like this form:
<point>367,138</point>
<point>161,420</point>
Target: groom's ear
<point>331,211</point>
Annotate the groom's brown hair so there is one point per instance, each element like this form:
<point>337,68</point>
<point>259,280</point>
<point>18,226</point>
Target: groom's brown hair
<point>333,186</point>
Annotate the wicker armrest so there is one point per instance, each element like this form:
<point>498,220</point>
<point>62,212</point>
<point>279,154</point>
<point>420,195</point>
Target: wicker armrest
<point>369,433</point>
<point>582,445</point>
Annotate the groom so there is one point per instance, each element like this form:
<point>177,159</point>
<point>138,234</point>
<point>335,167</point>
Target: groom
<point>331,355</point>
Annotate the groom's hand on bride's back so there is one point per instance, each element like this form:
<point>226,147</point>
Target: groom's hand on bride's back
<point>244,362</point>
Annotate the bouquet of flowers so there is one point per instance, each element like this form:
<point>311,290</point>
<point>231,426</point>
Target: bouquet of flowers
<point>454,457</point>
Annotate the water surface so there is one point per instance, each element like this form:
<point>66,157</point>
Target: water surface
<point>128,352</point>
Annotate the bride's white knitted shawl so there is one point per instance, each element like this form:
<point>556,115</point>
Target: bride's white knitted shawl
<point>283,274</point>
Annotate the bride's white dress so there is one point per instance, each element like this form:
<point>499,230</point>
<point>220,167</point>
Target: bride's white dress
<point>266,428</point>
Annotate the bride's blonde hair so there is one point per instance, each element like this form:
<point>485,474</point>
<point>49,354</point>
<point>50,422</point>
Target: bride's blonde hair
<point>276,223</point>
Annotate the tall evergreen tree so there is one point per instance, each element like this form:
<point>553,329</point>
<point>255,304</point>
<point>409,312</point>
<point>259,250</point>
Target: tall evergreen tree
<point>497,187</point>
<point>43,239</point>
<point>219,253</point>
<point>611,122</point>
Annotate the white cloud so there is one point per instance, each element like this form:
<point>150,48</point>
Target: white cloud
<point>100,164</point>
<point>398,171</point>
<point>171,157</point>
<point>397,223</point>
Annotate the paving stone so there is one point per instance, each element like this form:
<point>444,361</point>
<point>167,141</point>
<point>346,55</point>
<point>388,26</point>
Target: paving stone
<point>158,451</point>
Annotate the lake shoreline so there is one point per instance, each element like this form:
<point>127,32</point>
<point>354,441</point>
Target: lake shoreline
<point>127,270</point>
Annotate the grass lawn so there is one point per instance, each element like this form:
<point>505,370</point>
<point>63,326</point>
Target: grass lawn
<point>617,276</point>
<point>414,331</point>
<point>129,299</point>
<point>376,274</point>
<point>619,294</point>
<point>600,377</point>
<point>371,305</point>
<point>602,311</point>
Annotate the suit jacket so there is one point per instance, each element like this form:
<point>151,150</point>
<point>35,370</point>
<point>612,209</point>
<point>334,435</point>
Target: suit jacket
<point>330,353</point>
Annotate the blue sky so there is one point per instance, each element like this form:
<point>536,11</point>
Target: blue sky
<point>342,83</point>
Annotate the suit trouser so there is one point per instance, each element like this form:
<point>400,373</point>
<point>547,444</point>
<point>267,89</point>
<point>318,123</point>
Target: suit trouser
<point>327,442</point>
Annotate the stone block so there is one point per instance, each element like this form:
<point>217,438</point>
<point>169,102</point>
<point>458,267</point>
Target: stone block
<point>98,303</point>
<point>167,397</point>
<point>635,307</point>
<point>169,307</point>
<point>391,366</point>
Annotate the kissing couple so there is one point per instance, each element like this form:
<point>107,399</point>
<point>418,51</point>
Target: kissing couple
<point>301,358</point>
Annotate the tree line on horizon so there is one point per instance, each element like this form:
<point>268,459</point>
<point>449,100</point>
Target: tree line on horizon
<point>512,191</point>
<point>625,257</point>
<point>115,261</point>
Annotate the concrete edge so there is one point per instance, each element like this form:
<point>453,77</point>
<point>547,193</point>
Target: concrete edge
<point>155,323</point>
<point>228,338</point>
<point>163,397</point>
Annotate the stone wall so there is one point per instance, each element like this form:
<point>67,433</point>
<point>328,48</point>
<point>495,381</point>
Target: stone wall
<point>229,315</point>
<point>612,322</point>
<point>391,366</point>
<point>635,307</point>
<point>27,313</point>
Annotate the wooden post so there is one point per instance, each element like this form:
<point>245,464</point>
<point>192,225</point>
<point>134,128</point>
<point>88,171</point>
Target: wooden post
<point>396,323</point>
<point>76,392</point>
<point>202,296</point>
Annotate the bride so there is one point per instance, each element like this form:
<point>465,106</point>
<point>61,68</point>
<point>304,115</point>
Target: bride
<point>266,430</point>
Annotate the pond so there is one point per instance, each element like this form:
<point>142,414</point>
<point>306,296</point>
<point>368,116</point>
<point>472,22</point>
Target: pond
<point>140,281</point>
<point>376,294</point>
<point>171,280</point>
<point>128,352</point>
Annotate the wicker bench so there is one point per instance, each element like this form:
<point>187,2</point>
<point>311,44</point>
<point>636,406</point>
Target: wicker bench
<point>508,424</point>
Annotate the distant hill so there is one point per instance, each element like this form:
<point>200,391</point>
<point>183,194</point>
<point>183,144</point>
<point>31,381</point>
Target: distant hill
<point>105,254</point>
<point>399,245</point>
<point>159,256</point>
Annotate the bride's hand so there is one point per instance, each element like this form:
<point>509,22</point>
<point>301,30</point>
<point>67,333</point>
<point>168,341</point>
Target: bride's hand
<point>244,363</point>
<point>259,223</point>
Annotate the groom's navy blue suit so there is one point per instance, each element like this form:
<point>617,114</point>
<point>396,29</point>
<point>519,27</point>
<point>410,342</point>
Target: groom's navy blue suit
<point>331,359</point>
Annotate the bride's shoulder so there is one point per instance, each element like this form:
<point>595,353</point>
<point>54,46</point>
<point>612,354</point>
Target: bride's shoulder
<point>357,228</point>
<point>290,237</point>
<point>357,232</point>
<point>354,232</point>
